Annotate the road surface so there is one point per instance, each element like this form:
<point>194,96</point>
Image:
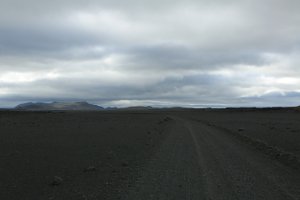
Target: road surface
<point>198,161</point>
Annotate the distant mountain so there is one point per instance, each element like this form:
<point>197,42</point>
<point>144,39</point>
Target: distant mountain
<point>58,106</point>
<point>138,108</point>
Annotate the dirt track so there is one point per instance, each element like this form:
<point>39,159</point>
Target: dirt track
<point>199,162</point>
<point>138,155</point>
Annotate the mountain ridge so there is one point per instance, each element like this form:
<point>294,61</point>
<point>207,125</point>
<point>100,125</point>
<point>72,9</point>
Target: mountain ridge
<point>82,105</point>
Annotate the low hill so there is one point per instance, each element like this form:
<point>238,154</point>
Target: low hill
<point>58,106</point>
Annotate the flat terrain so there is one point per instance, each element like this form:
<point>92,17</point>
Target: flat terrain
<point>152,154</point>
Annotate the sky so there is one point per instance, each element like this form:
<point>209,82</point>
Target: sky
<point>191,53</point>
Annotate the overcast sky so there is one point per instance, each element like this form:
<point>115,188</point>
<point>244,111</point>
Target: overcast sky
<point>159,52</point>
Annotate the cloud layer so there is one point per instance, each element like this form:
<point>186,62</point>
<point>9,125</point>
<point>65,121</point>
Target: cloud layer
<point>161,53</point>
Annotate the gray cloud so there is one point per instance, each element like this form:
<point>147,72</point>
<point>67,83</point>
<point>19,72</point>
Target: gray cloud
<point>121,53</point>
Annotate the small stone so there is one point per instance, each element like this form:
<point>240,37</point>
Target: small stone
<point>57,181</point>
<point>167,119</point>
<point>90,169</point>
<point>109,157</point>
<point>125,164</point>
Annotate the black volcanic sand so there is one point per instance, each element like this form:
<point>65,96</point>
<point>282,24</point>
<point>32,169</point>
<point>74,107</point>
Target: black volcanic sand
<point>37,146</point>
<point>155,154</point>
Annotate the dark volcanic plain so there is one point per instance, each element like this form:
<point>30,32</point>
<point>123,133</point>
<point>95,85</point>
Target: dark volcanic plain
<point>163,154</point>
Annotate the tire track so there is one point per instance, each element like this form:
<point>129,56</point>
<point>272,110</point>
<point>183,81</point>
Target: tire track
<point>173,172</point>
<point>196,161</point>
<point>246,174</point>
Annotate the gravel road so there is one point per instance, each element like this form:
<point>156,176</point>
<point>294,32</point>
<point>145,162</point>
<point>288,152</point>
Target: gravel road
<point>197,161</point>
